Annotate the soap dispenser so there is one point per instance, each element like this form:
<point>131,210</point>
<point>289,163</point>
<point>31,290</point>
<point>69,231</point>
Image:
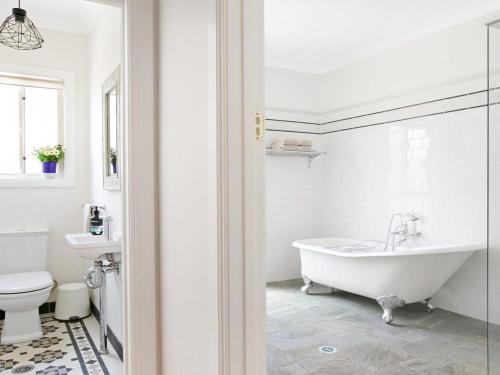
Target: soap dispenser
<point>96,223</point>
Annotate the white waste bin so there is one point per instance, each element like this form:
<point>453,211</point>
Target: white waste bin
<point>72,301</point>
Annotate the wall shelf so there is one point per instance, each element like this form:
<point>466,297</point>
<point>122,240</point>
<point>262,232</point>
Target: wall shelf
<point>310,155</point>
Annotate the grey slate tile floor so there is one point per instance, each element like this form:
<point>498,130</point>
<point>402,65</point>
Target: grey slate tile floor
<point>439,343</point>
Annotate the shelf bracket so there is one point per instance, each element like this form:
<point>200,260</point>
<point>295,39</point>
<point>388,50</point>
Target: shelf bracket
<point>312,157</point>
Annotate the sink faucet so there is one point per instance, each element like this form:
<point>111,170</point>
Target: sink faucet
<point>108,228</point>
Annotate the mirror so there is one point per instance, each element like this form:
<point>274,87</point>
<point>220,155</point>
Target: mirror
<point>111,131</point>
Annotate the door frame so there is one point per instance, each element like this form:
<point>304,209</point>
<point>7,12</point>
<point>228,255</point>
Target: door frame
<point>141,299</point>
<point>241,188</point>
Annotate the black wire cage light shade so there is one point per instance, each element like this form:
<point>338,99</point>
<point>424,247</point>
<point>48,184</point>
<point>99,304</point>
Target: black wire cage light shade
<point>19,32</point>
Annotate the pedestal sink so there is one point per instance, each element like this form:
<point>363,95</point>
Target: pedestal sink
<point>93,247</point>
<point>100,250</point>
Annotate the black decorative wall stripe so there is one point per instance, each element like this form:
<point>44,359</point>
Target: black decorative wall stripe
<point>412,106</point>
<point>294,122</point>
<point>292,131</point>
<point>408,118</point>
<point>465,108</point>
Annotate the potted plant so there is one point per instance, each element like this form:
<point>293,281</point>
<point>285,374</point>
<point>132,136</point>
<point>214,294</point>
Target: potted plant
<point>50,156</point>
<point>112,159</point>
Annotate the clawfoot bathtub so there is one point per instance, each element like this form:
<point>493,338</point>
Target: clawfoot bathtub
<point>393,278</point>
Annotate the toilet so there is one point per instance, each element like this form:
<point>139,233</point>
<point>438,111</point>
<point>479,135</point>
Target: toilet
<point>25,283</point>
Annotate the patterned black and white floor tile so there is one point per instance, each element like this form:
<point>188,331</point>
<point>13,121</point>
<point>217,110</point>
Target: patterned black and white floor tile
<point>65,348</point>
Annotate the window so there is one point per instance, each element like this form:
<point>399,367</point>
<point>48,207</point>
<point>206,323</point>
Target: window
<point>32,116</point>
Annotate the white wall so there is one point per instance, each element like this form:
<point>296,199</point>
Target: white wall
<point>434,166</point>
<point>293,201</point>
<point>293,191</point>
<point>188,195</point>
<point>457,53</point>
<point>105,55</point>
<point>368,173</point>
<point>58,208</point>
<point>301,90</point>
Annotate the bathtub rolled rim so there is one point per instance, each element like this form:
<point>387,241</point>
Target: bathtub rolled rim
<point>312,245</point>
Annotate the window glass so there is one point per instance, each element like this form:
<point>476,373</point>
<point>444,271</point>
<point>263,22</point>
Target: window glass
<point>9,130</point>
<point>41,123</point>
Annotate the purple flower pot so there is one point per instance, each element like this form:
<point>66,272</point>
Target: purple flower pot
<point>114,167</point>
<point>49,167</point>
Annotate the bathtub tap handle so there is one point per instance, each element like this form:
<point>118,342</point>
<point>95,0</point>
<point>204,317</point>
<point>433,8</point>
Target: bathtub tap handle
<point>402,240</point>
<point>413,228</point>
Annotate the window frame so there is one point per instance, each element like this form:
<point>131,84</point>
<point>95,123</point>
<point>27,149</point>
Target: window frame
<point>66,127</point>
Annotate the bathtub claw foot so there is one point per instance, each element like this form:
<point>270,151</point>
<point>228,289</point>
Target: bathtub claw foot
<point>389,304</point>
<point>429,307</point>
<point>308,285</point>
<point>388,316</point>
<point>305,289</point>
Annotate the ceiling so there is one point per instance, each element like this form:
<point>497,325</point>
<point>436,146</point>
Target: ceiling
<point>317,36</point>
<point>77,16</point>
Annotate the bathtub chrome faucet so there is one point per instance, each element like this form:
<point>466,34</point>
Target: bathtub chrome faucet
<point>402,230</point>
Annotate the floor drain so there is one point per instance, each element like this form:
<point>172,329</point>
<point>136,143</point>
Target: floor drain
<point>23,369</point>
<point>327,349</point>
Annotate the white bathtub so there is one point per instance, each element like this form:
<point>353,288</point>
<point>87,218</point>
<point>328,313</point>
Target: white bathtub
<point>393,278</point>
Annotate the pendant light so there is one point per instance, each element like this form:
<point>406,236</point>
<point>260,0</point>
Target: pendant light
<point>19,32</point>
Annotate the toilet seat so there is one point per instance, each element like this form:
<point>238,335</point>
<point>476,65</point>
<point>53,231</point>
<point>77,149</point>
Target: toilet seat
<point>20,296</point>
<point>25,282</point>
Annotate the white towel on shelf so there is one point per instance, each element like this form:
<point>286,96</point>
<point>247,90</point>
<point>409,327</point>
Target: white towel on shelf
<point>277,144</point>
<point>306,148</point>
<point>291,142</point>
<point>305,143</point>
<point>291,148</point>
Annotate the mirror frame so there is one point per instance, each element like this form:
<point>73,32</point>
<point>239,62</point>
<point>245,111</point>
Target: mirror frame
<point>111,182</point>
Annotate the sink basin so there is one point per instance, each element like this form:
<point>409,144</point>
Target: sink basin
<point>93,247</point>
